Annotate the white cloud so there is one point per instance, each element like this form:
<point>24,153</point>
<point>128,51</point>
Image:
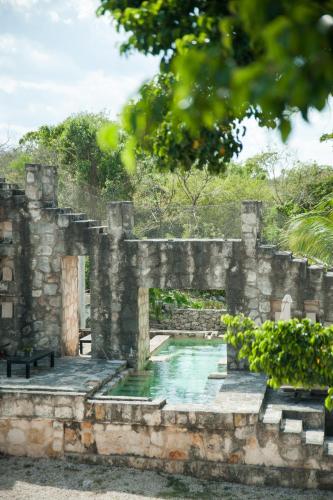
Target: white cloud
<point>54,16</point>
<point>85,8</point>
<point>61,11</point>
<point>304,140</point>
<point>19,4</point>
<point>8,85</point>
<point>8,43</point>
<point>10,133</point>
<point>53,101</point>
<point>26,55</point>
<point>68,11</point>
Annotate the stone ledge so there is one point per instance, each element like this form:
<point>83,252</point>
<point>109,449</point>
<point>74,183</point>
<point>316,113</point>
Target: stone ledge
<point>33,391</point>
<point>126,401</point>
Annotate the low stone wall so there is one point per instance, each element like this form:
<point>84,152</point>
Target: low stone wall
<point>190,319</point>
<point>31,424</point>
<point>151,435</point>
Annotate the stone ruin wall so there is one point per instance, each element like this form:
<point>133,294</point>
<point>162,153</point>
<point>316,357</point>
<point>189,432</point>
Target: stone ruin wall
<point>37,307</point>
<point>189,319</point>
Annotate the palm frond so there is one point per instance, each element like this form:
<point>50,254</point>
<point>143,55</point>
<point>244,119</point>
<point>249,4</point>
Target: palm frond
<point>311,234</point>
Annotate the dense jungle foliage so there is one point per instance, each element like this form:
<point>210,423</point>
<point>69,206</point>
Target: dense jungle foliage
<point>182,203</point>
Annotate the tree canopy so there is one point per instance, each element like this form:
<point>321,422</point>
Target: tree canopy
<point>220,62</point>
<point>73,145</point>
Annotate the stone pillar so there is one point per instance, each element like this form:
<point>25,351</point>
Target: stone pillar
<point>315,290</point>
<point>100,295</point>
<point>143,343</point>
<point>129,303</point>
<point>81,292</point>
<point>41,185</point>
<point>328,304</point>
<point>46,248</point>
<point>119,308</point>
<point>120,219</point>
<point>250,226</point>
<point>251,221</point>
<point>14,255</point>
<point>70,303</point>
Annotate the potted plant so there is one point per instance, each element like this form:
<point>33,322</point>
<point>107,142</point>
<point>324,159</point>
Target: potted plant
<point>28,351</point>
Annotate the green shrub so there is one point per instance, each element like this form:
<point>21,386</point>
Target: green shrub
<point>160,300</point>
<point>294,352</point>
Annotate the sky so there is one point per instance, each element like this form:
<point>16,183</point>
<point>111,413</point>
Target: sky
<point>57,58</point>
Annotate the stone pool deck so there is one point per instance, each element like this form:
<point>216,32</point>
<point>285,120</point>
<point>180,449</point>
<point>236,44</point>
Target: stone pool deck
<point>72,375</point>
<point>242,392</point>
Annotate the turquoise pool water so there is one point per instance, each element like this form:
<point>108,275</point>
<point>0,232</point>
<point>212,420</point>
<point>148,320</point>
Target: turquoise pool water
<point>178,373</point>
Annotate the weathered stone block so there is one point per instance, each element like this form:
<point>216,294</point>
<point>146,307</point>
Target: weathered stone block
<point>16,436</point>
<point>50,289</point>
<point>240,419</point>
<point>63,412</point>
<point>7,310</point>
<point>44,410</point>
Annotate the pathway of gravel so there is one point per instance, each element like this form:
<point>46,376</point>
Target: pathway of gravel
<point>42,479</point>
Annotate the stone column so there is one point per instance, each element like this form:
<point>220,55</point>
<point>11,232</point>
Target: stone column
<point>14,255</point>
<point>119,308</point>
<point>315,290</point>
<point>328,304</point>
<point>81,292</point>
<point>129,303</point>
<point>46,248</point>
<point>41,185</point>
<point>251,226</point>
<point>120,219</point>
<point>70,303</point>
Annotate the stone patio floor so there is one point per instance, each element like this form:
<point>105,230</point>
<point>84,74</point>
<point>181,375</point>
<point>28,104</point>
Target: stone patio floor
<point>242,392</point>
<point>286,401</point>
<point>70,374</point>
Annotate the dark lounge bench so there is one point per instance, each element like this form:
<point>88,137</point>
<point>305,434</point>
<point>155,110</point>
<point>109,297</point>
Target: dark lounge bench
<point>27,359</point>
<point>3,348</point>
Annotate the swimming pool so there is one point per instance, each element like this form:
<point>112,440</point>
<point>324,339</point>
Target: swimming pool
<point>179,372</point>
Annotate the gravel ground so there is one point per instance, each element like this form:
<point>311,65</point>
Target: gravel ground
<point>42,479</point>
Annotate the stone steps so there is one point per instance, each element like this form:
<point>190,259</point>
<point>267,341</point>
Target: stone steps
<point>328,446</point>
<point>59,210</point>
<point>18,192</point>
<point>74,217</point>
<point>98,229</point>
<point>86,222</point>
<point>273,417</point>
<point>6,193</point>
<point>314,437</point>
<point>283,254</point>
<point>76,222</point>
<point>292,426</point>
<point>7,186</point>
<point>8,189</point>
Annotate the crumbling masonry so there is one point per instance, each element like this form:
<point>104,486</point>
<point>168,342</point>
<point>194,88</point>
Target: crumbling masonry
<point>39,249</point>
